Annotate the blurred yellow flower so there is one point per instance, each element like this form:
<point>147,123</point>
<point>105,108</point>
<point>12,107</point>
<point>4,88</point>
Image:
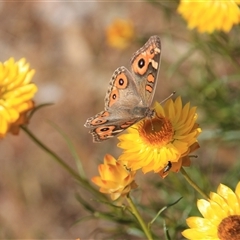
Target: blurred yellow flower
<point>210,15</point>
<point>114,178</point>
<point>221,216</point>
<point>16,93</point>
<point>167,137</point>
<point>120,33</point>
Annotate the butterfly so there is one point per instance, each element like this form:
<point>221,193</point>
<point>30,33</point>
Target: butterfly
<point>130,94</point>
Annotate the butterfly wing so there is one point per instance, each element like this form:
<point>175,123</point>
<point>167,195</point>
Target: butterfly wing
<point>122,92</point>
<point>106,125</point>
<point>145,65</point>
<point>122,107</point>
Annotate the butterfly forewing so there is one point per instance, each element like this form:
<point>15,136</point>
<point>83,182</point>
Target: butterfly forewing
<point>145,66</point>
<point>122,92</point>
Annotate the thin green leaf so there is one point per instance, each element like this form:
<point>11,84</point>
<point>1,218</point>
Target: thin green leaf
<point>166,233</point>
<point>71,148</point>
<point>161,210</point>
<point>86,205</point>
<point>37,108</point>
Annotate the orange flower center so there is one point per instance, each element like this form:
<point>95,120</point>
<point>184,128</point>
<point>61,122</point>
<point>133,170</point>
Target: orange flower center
<point>229,228</point>
<point>156,131</point>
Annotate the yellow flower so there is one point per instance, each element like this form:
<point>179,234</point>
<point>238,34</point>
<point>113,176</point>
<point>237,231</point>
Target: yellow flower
<point>16,93</point>
<point>221,216</point>
<point>168,137</point>
<point>114,178</point>
<point>210,15</point>
<point>184,161</point>
<point>120,33</point>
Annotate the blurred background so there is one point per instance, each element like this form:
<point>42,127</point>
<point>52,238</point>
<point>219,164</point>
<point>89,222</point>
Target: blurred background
<point>69,45</point>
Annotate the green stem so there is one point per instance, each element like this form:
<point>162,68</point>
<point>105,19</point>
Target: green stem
<point>72,172</point>
<point>52,154</point>
<point>139,218</point>
<point>193,184</point>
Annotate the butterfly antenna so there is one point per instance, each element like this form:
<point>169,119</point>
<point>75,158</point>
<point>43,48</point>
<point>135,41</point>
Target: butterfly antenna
<point>168,97</point>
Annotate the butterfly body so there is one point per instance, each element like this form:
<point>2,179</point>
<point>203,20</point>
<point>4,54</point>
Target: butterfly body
<point>130,94</point>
